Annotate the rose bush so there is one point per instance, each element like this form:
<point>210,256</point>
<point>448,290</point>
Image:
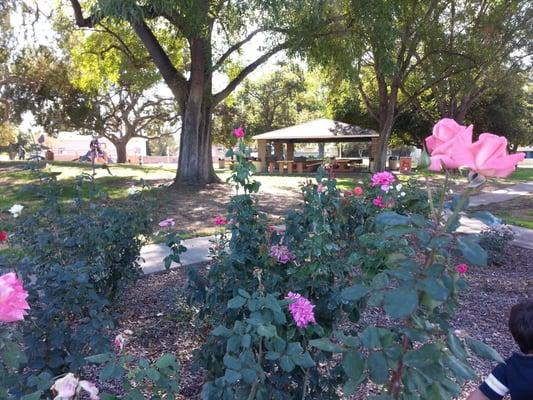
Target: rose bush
<point>289,299</point>
<point>76,258</point>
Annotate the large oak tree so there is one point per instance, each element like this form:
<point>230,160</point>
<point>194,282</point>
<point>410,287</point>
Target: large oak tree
<point>215,32</point>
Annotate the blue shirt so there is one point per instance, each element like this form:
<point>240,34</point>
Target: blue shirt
<point>515,377</point>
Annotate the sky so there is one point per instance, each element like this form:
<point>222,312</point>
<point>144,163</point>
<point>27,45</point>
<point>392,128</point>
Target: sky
<point>41,33</point>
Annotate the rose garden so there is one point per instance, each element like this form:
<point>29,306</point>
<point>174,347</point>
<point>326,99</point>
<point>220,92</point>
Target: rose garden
<point>357,288</point>
<point>266,200</point>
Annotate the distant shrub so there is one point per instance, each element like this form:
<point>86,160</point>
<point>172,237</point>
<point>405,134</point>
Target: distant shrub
<point>496,241</point>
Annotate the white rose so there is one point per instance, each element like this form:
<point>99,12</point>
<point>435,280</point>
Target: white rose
<point>66,387</point>
<point>16,209</point>
<point>132,190</point>
<point>399,187</point>
<point>402,194</point>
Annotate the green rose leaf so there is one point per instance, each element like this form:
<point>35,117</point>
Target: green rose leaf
<point>353,365</point>
<point>286,364</point>
<point>391,218</point>
<point>325,344</point>
<point>472,251</point>
<point>236,302</point>
<point>400,302</point>
<point>377,364</point>
<point>484,351</point>
<point>354,293</point>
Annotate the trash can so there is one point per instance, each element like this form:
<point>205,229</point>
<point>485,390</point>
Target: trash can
<point>394,163</point>
<point>221,163</point>
<point>49,155</point>
<point>405,165</point>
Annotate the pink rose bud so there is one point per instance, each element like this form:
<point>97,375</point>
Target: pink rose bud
<point>238,132</point>
<point>220,220</point>
<point>119,342</point>
<point>461,268</point>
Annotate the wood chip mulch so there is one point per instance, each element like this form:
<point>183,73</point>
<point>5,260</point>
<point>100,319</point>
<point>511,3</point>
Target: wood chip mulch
<point>156,311</point>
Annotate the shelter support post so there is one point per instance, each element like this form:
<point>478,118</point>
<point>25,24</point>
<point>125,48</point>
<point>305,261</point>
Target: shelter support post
<point>290,151</point>
<point>262,154</point>
<point>278,150</point>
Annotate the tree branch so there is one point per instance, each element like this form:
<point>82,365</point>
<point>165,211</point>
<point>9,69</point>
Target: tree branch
<point>175,81</point>
<point>81,21</point>
<point>234,48</point>
<point>218,97</point>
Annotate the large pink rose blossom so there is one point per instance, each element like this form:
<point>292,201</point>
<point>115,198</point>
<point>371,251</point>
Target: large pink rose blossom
<point>449,145</point>
<point>13,304</point>
<point>301,310</point>
<point>446,131</point>
<point>490,157</point>
<point>383,179</point>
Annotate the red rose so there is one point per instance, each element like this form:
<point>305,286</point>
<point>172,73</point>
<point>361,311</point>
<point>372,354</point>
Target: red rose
<point>3,236</point>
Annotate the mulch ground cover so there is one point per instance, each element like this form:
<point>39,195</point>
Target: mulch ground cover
<point>155,309</point>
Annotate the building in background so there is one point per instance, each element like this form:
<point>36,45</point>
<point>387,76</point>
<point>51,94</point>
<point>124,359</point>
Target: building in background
<point>69,146</point>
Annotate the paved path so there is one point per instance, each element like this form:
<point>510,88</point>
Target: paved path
<point>497,196</point>
<point>153,254</point>
<point>523,236</point>
<point>198,248</point>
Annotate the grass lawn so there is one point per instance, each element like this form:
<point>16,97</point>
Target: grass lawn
<point>194,207</point>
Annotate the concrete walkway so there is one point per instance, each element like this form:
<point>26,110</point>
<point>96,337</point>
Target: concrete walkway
<point>523,236</point>
<point>497,196</point>
<point>198,248</point>
<point>197,252</point>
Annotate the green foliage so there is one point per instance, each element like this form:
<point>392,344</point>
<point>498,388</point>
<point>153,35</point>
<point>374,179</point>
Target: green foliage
<point>347,254</point>
<point>77,258</point>
<point>496,241</point>
<point>159,379</point>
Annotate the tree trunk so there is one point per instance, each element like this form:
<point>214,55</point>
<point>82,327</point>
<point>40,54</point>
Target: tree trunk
<point>195,164</point>
<point>387,115</point>
<point>122,156</point>
<point>380,155</point>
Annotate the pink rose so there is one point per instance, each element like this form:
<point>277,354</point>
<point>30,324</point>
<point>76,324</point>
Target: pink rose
<point>461,268</point>
<point>167,223</point>
<point>220,220</point>
<point>320,188</point>
<point>348,193</point>
<point>450,145</point>
<point>301,310</point>
<point>445,131</point>
<point>383,179</point>
<point>378,202</point>
<point>238,132</point>
<point>490,157</point>
<point>13,304</point>
<point>358,191</point>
